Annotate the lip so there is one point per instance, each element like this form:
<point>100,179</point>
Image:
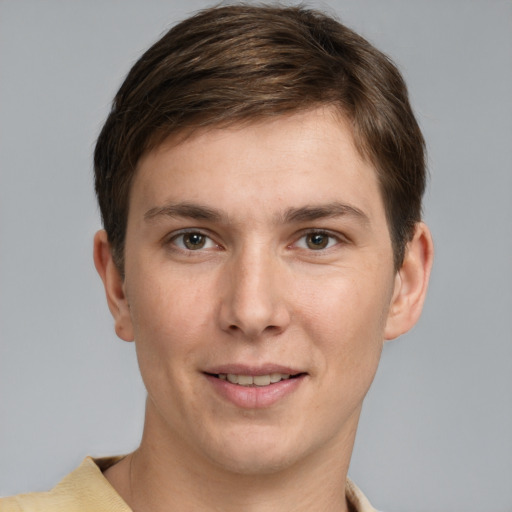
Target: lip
<point>243,369</point>
<point>256,397</point>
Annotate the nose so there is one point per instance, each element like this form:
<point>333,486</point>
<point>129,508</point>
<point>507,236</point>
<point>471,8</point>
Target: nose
<point>253,295</point>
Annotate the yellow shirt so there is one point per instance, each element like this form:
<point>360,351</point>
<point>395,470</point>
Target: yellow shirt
<point>87,490</point>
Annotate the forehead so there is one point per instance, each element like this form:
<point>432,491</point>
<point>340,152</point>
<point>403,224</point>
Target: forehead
<point>287,161</point>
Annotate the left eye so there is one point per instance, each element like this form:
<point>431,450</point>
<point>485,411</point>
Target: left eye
<point>316,241</point>
<point>193,241</point>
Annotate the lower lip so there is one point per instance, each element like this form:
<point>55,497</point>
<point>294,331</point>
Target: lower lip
<point>255,397</point>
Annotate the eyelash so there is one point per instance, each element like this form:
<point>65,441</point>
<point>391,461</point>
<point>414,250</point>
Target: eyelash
<point>332,237</point>
<point>172,240</point>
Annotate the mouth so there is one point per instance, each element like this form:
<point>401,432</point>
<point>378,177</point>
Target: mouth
<point>257,381</point>
<point>255,387</point>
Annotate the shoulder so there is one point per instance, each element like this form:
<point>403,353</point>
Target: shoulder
<point>83,490</point>
<point>357,499</point>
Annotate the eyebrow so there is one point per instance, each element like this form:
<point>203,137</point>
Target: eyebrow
<point>185,209</point>
<point>324,211</point>
<point>291,215</point>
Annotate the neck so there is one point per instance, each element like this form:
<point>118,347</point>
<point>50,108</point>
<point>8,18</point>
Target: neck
<point>164,475</point>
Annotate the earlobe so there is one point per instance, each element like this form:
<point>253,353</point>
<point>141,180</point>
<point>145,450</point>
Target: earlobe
<point>114,286</point>
<point>411,284</point>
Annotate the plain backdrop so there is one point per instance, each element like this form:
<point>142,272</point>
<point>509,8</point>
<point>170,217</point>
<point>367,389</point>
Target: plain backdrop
<point>436,430</point>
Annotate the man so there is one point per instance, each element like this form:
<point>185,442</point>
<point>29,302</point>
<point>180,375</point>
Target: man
<point>260,180</point>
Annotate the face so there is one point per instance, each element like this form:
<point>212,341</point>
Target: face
<point>258,282</point>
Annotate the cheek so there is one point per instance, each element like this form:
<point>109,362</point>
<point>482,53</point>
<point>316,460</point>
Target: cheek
<point>170,315</point>
<point>167,338</point>
<point>346,303</point>
<point>345,317</point>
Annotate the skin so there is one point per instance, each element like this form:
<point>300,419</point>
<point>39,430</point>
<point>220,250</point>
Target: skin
<point>294,267</point>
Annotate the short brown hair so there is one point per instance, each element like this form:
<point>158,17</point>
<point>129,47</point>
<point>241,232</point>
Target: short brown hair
<point>239,63</point>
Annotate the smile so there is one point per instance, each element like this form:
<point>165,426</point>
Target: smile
<point>254,380</point>
<point>255,387</point>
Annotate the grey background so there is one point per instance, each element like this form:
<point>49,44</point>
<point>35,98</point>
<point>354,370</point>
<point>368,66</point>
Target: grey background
<point>436,431</point>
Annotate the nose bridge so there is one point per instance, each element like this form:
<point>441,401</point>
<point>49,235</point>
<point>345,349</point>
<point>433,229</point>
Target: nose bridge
<point>253,303</point>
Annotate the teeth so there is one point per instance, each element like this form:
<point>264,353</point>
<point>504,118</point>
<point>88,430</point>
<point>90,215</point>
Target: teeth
<point>261,380</point>
<point>245,380</point>
<point>256,380</point>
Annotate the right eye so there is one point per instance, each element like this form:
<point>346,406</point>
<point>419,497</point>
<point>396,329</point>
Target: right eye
<point>193,241</point>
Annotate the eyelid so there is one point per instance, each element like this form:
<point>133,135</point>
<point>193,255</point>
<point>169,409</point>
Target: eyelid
<point>338,237</point>
<point>171,237</point>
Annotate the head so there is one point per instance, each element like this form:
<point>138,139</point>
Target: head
<point>260,180</point>
<point>234,65</point>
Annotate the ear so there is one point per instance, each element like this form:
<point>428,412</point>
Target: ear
<point>411,283</point>
<point>114,286</point>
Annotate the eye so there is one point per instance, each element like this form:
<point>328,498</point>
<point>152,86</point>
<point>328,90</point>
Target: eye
<point>316,241</point>
<point>193,241</point>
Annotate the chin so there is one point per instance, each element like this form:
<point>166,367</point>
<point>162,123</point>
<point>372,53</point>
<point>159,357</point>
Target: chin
<point>256,453</point>
<point>256,462</point>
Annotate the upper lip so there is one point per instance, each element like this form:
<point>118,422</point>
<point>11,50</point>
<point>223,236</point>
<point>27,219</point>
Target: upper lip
<point>255,370</point>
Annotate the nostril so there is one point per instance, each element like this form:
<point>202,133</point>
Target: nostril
<point>269,330</point>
